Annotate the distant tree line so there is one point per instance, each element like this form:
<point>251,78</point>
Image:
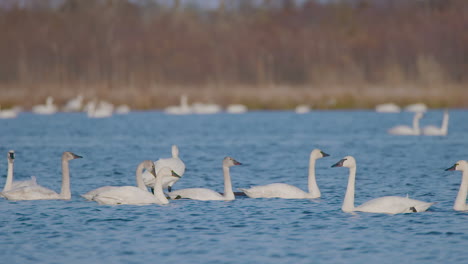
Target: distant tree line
<point>118,44</point>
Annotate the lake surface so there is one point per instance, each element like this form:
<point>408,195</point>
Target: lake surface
<point>273,147</point>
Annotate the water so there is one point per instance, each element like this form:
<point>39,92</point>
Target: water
<point>273,147</point>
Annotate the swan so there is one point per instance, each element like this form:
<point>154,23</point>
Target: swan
<point>137,195</point>
<point>236,109</point>
<point>406,130</point>
<point>418,107</point>
<point>438,131</point>
<point>8,113</point>
<point>175,163</point>
<point>182,109</point>
<point>10,184</point>
<point>207,194</point>
<point>281,190</point>
<point>387,108</point>
<point>74,105</point>
<point>302,109</point>
<point>122,109</point>
<point>460,201</point>
<point>47,109</point>
<point>99,110</point>
<point>143,165</point>
<point>37,192</point>
<point>205,109</point>
<point>386,204</point>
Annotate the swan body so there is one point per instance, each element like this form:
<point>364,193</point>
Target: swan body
<point>207,194</point>
<point>137,195</point>
<point>37,192</point>
<point>204,109</point>
<point>282,190</point>
<point>406,130</point>
<point>9,183</point>
<point>8,113</point>
<point>182,109</point>
<point>102,109</point>
<point>74,105</point>
<point>385,205</point>
<point>175,163</point>
<point>438,131</point>
<point>460,201</point>
<point>236,109</point>
<point>122,109</point>
<point>387,108</point>
<point>302,109</point>
<point>417,108</point>
<point>47,109</point>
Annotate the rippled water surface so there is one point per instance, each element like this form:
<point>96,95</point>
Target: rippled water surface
<point>273,147</point>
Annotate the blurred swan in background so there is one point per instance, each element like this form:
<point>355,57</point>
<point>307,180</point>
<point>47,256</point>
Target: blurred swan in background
<point>137,195</point>
<point>175,163</point>
<point>205,109</point>
<point>37,192</point>
<point>282,190</point>
<point>417,108</point>
<point>406,130</point>
<point>8,113</point>
<point>122,109</point>
<point>207,194</point>
<point>236,109</point>
<point>9,183</point>
<point>47,109</point>
<point>182,109</point>
<point>74,105</point>
<point>302,109</point>
<point>386,204</point>
<point>387,108</point>
<point>102,109</point>
<point>460,201</point>
<point>438,131</point>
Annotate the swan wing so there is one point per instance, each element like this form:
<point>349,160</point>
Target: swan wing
<point>393,205</point>
<point>34,192</point>
<point>276,190</point>
<point>433,131</point>
<point>89,195</point>
<point>202,194</point>
<point>175,164</point>
<point>125,195</point>
<point>20,184</point>
<point>402,130</point>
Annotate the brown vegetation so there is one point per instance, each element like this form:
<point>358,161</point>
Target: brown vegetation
<point>274,54</point>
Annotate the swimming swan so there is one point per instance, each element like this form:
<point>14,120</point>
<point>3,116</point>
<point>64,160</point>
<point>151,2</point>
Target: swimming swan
<point>406,130</point>
<point>37,192</point>
<point>282,190</point>
<point>136,195</point>
<point>386,204</point>
<point>175,163</point>
<point>207,194</point>
<point>438,131</point>
<point>460,201</point>
<point>9,183</point>
<point>47,109</point>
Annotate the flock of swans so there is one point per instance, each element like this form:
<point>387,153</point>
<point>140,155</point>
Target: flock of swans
<point>415,130</point>
<point>163,173</point>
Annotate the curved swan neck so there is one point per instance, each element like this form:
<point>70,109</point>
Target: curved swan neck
<point>228,194</point>
<point>348,203</point>
<point>139,177</point>
<point>460,201</point>
<point>312,182</point>
<point>9,179</point>
<point>65,193</point>
<point>158,190</point>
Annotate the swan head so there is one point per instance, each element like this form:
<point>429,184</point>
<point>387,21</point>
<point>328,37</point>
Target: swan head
<point>461,165</point>
<point>317,154</point>
<point>347,161</point>
<point>148,165</point>
<point>70,156</point>
<point>11,156</point>
<point>228,162</point>
<point>175,151</point>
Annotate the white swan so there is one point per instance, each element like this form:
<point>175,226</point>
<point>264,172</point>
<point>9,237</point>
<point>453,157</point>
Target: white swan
<point>102,109</point>
<point>460,201</point>
<point>406,130</point>
<point>175,163</point>
<point>387,108</point>
<point>302,109</point>
<point>37,192</point>
<point>438,131</point>
<point>142,166</point>
<point>74,104</point>
<point>137,195</point>
<point>10,184</point>
<point>282,190</point>
<point>47,109</point>
<point>386,204</point>
<point>207,194</point>
<point>182,109</point>
<point>8,113</point>
<point>417,107</point>
<point>236,109</point>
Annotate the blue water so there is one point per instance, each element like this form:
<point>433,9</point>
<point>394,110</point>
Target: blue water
<point>273,147</point>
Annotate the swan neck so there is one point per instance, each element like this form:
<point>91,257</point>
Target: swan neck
<point>65,193</point>
<point>460,201</point>
<point>228,194</point>
<point>445,121</point>
<point>348,203</point>
<point>416,123</point>
<point>158,190</point>
<point>139,178</point>
<point>312,182</point>
<point>9,179</point>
